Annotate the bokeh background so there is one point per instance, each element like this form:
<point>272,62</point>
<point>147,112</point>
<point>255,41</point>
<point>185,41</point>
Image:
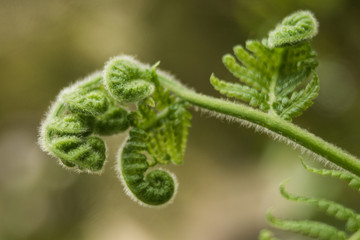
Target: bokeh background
<point>231,174</point>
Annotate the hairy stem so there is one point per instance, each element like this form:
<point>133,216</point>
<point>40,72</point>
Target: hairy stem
<point>273,123</point>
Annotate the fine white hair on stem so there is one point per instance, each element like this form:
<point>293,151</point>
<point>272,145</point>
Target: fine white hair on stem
<point>271,134</point>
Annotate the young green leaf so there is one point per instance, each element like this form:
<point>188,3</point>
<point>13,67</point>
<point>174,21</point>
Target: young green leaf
<point>299,101</point>
<point>331,208</point>
<point>308,228</point>
<point>297,27</point>
<point>160,128</point>
<point>352,180</point>
<point>270,77</point>
<point>128,80</point>
<point>155,188</point>
<point>242,92</point>
<point>79,111</point>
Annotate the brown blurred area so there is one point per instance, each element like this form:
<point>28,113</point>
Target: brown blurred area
<point>230,174</point>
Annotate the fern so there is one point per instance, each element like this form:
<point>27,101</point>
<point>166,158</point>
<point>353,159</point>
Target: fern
<point>308,228</point>
<point>299,26</point>
<point>270,76</point>
<point>97,106</point>
<point>167,126</point>
<point>277,79</point>
<point>157,187</point>
<point>75,116</point>
<point>316,229</point>
<point>331,208</point>
<point>353,181</point>
<point>160,129</point>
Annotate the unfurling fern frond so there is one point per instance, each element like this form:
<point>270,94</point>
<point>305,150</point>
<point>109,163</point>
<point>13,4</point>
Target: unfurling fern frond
<point>276,75</point>
<point>161,134</point>
<point>157,186</point>
<point>269,77</point>
<point>113,121</point>
<point>297,27</point>
<point>160,130</point>
<point>316,229</point>
<point>128,80</point>
<point>86,97</point>
<point>96,107</point>
<point>76,115</point>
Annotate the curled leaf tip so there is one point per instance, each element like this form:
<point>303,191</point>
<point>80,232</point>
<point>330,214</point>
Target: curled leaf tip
<point>147,187</point>
<point>128,80</point>
<point>297,27</point>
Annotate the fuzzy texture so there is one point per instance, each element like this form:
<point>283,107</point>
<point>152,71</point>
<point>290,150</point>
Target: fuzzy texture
<point>276,78</point>
<point>128,80</point>
<point>149,188</point>
<point>67,132</point>
<point>95,107</point>
<point>299,26</point>
<point>270,78</point>
<point>160,130</point>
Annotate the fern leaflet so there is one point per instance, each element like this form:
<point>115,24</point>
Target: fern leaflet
<point>160,126</point>
<point>331,208</point>
<point>352,180</point>
<point>270,76</point>
<point>308,228</point>
<point>317,229</point>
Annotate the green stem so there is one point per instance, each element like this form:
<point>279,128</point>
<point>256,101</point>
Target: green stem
<point>270,122</point>
<point>355,236</point>
<point>159,116</point>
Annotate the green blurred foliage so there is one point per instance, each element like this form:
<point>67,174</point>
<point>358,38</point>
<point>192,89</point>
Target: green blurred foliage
<point>46,45</point>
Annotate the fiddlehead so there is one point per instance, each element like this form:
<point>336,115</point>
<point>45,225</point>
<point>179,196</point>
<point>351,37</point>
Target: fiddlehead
<point>297,27</point>
<point>270,76</point>
<point>163,136</point>
<point>95,106</point>
<point>79,112</point>
<point>157,187</point>
<point>128,80</point>
<point>160,129</point>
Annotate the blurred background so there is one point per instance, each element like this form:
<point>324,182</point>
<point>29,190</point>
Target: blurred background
<point>230,174</point>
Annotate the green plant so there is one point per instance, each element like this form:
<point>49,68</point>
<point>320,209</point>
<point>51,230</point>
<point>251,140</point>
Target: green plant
<point>277,80</point>
<point>317,229</point>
